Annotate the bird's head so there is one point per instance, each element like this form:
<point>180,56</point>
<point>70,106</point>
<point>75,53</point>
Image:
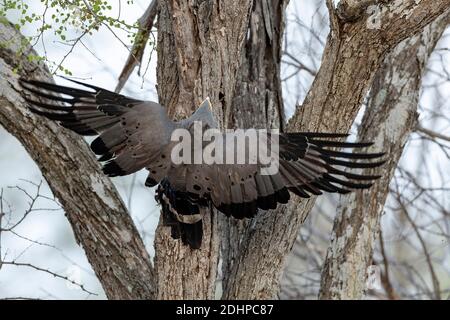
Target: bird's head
<point>205,106</point>
<point>205,113</point>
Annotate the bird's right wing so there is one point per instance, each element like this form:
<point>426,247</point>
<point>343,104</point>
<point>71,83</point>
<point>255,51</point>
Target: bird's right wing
<point>307,166</point>
<point>310,163</point>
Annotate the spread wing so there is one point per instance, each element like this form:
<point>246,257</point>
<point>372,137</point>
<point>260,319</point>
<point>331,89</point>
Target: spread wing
<point>132,134</point>
<point>307,166</point>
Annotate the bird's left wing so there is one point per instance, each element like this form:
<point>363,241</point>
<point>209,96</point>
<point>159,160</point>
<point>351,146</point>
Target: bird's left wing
<point>132,134</point>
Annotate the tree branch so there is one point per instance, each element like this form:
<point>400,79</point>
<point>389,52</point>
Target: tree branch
<point>145,24</point>
<point>432,134</point>
<point>198,56</point>
<point>99,219</point>
<point>53,274</point>
<point>434,277</point>
<point>390,118</point>
<point>352,56</point>
<point>257,104</point>
<point>350,10</point>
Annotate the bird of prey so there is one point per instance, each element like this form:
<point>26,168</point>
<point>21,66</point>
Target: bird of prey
<point>134,134</point>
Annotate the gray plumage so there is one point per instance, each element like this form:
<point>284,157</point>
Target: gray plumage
<point>134,134</point>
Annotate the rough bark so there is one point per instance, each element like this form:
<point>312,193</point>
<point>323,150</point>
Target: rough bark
<point>257,103</point>
<point>199,49</point>
<point>99,219</point>
<point>352,56</point>
<point>390,118</point>
<point>349,10</point>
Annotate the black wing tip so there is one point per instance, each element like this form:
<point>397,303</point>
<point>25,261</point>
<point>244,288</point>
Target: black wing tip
<point>22,81</point>
<point>34,82</point>
<point>106,157</point>
<point>282,196</point>
<point>112,169</point>
<point>318,134</point>
<point>318,138</point>
<point>239,210</point>
<point>99,147</point>
<point>150,182</point>
<point>190,234</point>
<point>25,80</point>
<point>299,192</point>
<point>338,144</point>
<point>267,202</point>
<point>326,153</point>
<point>28,84</point>
<point>355,165</point>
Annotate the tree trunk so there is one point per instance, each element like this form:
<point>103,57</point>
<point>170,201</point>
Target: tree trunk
<point>257,104</point>
<point>99,219</point>
<point>390,118</point>
<point>352,56</point>
<point>199,50</point>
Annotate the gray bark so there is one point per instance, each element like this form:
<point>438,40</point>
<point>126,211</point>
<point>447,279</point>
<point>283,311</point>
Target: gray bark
<point>390,118</point>
<point>199,50</point>
<point>352,56</point>
<point>257,104</point>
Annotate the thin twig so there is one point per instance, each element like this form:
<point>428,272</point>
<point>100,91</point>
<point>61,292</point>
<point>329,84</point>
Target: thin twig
<point>385,277</point>
<point>432,134</point>
<point>137,51</point>
<point>434,278</point>
<point>54,274</point>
